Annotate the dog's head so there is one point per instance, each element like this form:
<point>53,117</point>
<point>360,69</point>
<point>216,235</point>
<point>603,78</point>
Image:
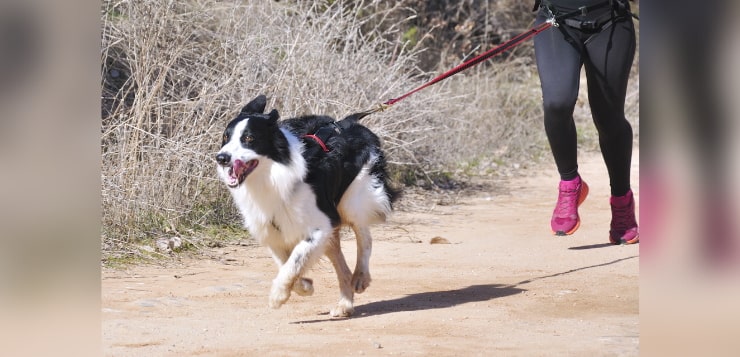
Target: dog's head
<point>250,141</point>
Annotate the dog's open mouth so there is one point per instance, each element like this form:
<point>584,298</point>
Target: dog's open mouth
<point>239,171</point>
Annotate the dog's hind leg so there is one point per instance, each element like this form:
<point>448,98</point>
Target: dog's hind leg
<point>303,286</point>
<point>345,305</point>
<point>361,277</point>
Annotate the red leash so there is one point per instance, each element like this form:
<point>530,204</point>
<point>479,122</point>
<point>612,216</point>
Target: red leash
<point>470,63</point>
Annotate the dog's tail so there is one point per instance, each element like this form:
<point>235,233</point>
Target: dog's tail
<point>352,119</point>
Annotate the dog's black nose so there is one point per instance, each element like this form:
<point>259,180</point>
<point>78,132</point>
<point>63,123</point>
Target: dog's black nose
<point>223,158</point>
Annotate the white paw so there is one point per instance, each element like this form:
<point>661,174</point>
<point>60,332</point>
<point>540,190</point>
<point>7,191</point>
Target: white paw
<point>278,295</point>
<point>303,287</point>
<point>343,309</point>
<point>360,281</point>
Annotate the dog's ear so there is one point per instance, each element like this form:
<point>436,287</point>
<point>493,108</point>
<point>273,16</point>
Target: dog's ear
<point>273,116</point>
<point>256,106</point>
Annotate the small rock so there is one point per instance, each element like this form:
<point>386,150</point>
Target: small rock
<point>214,244</point>
<point>163,245</point>
<point>175,243</point>
<point>439,240</point>
<point>168,245</point>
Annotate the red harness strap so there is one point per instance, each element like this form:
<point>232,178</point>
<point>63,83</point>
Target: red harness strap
<point>318,140</point>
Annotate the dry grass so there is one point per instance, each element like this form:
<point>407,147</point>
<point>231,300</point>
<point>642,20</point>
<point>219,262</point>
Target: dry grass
<point>174,72</point>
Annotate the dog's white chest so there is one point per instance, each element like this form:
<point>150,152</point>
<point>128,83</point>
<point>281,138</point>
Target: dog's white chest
<point>293,217</point>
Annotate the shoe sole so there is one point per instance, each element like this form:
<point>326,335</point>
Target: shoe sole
<point>581,198</point>
<point>633,240</point>
<point>625,242</point>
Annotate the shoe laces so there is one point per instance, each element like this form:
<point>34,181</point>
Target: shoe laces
<point>567,201</point>
<point>623,217</point>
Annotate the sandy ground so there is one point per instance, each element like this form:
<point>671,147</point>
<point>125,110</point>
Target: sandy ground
<point>503,286</point>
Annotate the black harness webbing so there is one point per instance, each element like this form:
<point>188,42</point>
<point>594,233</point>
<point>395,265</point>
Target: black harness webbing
<point>323,134</point>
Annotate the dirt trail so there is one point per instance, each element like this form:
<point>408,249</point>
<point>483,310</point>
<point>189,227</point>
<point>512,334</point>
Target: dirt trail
<point>503,286</point>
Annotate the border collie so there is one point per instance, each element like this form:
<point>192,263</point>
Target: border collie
<point>296,182</point>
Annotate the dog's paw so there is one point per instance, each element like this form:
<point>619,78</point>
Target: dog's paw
<point>278,296</point>
<point>360,281</point>
<point>343,309</point>
<point>303,287</point>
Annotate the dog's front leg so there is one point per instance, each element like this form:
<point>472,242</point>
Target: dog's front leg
<point>304,254</point>
<point>303,286</point>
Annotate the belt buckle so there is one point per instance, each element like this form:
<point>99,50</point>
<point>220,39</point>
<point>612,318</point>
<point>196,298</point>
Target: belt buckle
<point>589,25</point>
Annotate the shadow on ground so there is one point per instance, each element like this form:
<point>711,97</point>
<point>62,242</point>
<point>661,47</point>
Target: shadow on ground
<point>437,299</point>
<point>444,299</point>
<point>429,301</point>
<point>592,246</point>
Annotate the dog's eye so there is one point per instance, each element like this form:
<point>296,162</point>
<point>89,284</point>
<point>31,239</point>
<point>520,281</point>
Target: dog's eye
<point>247,139</point>
<point>225,138</point>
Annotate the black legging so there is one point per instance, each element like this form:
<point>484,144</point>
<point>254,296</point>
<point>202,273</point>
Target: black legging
<point>608,59</point>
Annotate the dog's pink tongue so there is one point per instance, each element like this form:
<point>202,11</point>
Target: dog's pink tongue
<point>238,168</point>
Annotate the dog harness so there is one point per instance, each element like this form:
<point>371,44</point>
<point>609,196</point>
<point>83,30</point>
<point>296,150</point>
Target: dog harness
<point>323,134</point>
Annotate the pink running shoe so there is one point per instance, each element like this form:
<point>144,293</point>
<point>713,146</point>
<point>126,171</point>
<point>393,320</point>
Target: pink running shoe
<point>565,219</point>
<point>624,226</point>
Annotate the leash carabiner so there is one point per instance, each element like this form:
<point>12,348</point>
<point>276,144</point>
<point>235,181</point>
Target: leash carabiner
<point>379,108</point>
<point>551,17</point>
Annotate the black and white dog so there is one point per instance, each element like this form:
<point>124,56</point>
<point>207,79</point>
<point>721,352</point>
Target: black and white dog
<point>296,182</point>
